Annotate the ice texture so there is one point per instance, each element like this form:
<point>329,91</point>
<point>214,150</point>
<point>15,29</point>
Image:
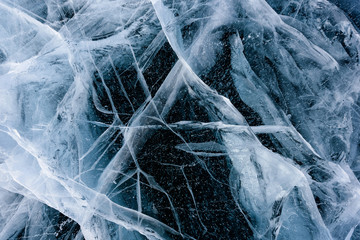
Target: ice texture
<point>181,119</point>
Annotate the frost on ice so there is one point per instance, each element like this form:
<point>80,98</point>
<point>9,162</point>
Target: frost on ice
<point>183,119</point>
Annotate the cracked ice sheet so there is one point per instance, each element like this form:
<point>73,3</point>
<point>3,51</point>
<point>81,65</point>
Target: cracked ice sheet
<point>163,119</point>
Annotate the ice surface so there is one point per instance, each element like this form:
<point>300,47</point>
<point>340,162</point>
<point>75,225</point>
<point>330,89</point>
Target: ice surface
<point>183,119</point>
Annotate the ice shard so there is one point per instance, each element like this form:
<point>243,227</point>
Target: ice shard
<point>182,119</point>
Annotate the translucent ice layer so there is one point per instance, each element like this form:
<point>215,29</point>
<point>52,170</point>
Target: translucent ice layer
<point>182,119</point>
